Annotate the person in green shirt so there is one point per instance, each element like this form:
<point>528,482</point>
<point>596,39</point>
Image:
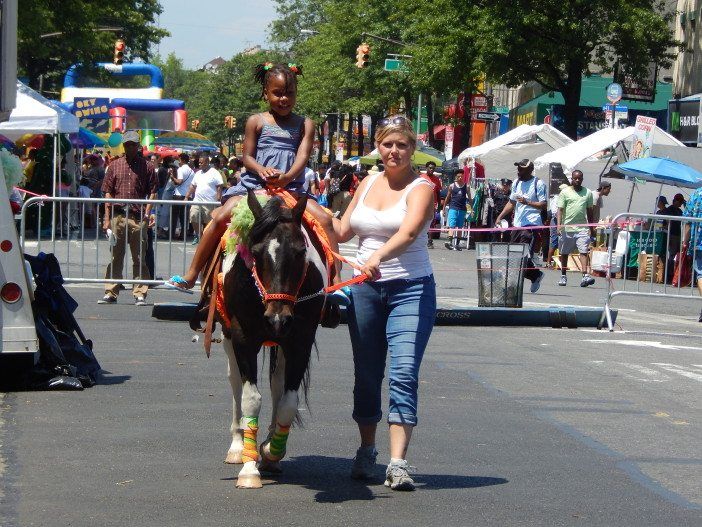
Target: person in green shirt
<point>575,205</point>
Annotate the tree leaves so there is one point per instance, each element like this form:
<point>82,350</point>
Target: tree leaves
<point>54,34</point>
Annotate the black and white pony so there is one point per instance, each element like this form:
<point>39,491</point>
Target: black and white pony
<point>279,300</point>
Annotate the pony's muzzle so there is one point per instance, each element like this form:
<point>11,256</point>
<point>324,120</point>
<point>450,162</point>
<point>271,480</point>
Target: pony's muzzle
<point>279,316</point>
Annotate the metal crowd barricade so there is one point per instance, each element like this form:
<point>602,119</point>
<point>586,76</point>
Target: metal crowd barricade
<point>646,240</point>
<point>85,252</point>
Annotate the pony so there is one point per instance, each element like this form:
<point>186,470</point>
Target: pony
<point>276,305</point>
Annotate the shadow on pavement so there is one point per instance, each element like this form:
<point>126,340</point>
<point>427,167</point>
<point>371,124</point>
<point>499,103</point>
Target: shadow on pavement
<point>106,378</point>
<point>329,476</point>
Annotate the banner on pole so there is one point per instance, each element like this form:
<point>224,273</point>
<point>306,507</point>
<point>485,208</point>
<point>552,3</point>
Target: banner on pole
<point>448,142</point>
<point>643,140</point>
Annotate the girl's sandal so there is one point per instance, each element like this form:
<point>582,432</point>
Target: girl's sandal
<point>178,283</point>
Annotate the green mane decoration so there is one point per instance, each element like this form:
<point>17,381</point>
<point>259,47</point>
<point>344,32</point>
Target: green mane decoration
<point>241,223</point>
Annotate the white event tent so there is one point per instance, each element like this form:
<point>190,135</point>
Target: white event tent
<point>575,153</point>
<point>35,114</point>
<point>586,155</point>
<point>526,141</point>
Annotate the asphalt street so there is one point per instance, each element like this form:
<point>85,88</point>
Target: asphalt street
<point>518,426</point>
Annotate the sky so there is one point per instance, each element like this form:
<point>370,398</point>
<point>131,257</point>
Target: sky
<point>204,29</point>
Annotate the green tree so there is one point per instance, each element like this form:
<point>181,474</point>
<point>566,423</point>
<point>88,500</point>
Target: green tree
<point>296,16</point>
<point>54,34</point>
<point>556,42</point>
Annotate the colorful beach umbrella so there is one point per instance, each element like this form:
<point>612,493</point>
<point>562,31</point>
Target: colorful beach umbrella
<point>86,139</point>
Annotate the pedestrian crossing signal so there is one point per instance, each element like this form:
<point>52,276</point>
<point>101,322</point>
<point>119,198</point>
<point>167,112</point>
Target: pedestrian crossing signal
<point>119,52</point>
<point>363,55</point>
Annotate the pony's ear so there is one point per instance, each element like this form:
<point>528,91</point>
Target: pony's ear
<point>299,209</point>
<point>254,205</point>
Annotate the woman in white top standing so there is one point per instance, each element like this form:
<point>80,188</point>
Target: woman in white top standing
<point>395,309</point>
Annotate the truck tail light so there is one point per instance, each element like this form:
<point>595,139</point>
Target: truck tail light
<point>10,293</point>
<point>6,246</point>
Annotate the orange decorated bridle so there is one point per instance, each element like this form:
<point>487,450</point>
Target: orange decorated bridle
<point>283,297</point>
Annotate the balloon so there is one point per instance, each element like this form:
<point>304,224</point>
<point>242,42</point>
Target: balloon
<point>115,139</point>
<point>147,138</point>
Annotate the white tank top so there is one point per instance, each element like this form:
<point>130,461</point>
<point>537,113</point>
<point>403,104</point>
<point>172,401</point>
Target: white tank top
<point>375,227</point>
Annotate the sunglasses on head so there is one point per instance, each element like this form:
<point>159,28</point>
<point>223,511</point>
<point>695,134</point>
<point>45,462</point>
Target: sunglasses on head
<point>400,119</point>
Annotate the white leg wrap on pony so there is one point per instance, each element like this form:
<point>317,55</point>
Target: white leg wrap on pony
<point>249,476</point>
<point>237,445</point>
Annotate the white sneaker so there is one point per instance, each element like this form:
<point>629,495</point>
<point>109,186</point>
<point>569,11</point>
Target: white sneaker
<point>139,301</point>
<point>587,280</point>
<point>108,299</point>
<point>397,476</point>
<point>563,281</point>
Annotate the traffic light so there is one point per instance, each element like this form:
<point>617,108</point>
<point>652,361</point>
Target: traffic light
<point>233,122</point>
<point>229,121</point>
<point>195,124</point>
<point>362,55</point>
<point>119,52</point>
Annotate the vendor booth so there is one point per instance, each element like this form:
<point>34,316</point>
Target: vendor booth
<point>595,154</point>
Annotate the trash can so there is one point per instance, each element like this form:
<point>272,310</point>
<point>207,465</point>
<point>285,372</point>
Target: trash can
<point>501,273</point>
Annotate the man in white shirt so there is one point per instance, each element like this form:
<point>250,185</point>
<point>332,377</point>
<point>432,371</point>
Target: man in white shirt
<point>182,180</point>
<point>527,200</point>
<point>206,186</point>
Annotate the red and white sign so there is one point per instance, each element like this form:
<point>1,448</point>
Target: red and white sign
<point>478,103</point>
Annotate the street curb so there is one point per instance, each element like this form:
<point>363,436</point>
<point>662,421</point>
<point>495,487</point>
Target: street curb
<point>550,317</point>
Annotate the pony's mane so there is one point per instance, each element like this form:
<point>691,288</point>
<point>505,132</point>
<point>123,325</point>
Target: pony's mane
<point>273,214</point>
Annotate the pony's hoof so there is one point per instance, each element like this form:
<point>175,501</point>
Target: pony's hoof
<point>266,466</point>
<point>249,481</point>
<point>233,458</point>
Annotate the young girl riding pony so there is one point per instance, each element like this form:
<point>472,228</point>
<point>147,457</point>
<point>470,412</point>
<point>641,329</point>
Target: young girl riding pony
<point>277,146</point>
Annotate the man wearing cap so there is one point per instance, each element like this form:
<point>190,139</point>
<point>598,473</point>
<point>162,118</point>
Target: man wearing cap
<point>574,211</point>
<point>674,232</point>
<point>692,237</point>
<point>527,200</point>
<point>603,190</point>
<point>128,177</point>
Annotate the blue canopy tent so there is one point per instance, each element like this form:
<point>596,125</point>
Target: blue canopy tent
<point>658,170</point>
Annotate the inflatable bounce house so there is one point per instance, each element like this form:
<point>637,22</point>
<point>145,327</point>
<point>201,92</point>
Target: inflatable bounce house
<point>112,111</point>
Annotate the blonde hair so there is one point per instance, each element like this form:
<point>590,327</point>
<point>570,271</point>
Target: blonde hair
<point>402,126</point>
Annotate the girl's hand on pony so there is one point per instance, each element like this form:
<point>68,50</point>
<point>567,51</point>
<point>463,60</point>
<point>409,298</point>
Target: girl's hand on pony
<point>269,173</point>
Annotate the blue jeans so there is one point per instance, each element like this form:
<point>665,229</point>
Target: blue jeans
<point>397,315</point>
